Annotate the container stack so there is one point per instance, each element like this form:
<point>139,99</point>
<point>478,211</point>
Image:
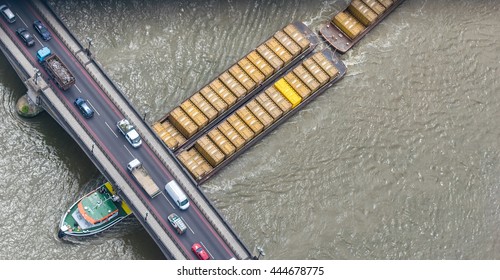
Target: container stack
<point>260,113</point>
<point>233,86</point>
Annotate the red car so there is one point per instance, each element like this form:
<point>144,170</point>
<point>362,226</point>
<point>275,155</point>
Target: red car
<point>200,251</point>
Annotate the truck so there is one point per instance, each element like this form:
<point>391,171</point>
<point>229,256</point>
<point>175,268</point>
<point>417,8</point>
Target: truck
<point>141,175</point>
<point>56,69</point>
<point>128,130</point>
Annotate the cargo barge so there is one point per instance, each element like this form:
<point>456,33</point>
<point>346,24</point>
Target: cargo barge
<point>260,115</point>
<point>353,23</point>
<point>236,85</point>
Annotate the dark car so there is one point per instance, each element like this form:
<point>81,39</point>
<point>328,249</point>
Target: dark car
<point>25,36</point>
<point>199,251</point>
<point>42,30</point>
<point>84,107</point>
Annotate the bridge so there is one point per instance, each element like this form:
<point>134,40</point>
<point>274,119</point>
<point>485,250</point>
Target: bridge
<point>100,139</point>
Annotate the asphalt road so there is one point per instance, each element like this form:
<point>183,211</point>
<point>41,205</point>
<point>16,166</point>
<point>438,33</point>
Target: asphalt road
<point>103,128</point>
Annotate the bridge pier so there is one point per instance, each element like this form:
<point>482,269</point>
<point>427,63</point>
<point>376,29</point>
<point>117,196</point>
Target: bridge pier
<point>29,105</point>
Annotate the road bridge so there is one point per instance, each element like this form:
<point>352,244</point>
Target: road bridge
<point>101,141</point>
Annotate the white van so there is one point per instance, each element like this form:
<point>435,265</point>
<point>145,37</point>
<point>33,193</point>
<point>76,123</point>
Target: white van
<point>176,193</point>
<point>7,14</point>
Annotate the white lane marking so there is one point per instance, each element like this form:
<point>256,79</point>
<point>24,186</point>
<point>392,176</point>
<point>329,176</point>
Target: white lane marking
<point>22,20</point>
<point>173,207</point>
<point>39,41</point>
<point>128,151</point>
<point>78,89</point>
<point>187,225</point>
<point>93,107</point>
<point>111,129</point>
<point>207,250</point>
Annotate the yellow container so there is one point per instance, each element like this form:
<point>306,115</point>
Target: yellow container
<point>250,119</point>
<point>222,142</point>
<point>209,151</point>
<point>223,92</point>
<point>182,122</point>
<point>194,113</point>
<point>174,133</point>
<point>288,92</point>
<point>240,126</point>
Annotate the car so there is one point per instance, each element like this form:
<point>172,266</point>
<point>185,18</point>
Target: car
<point>199,251</point>
<point>7,14</point>
<point>25,36</point>
<point>177,223</point>
<point>84,107</point>
<point>42,30</point>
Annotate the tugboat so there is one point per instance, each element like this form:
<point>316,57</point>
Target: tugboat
<point>94,213</point>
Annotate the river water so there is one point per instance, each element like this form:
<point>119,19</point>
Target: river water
<point>399,160</point>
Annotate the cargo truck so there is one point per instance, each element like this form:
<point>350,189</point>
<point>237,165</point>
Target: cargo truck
<point>56,69</point>
<point>350,25</point>
<point>128,130</point>
<point>142,177</point>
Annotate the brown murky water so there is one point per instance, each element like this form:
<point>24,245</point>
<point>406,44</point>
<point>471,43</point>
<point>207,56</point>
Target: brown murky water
<point>399,160</point>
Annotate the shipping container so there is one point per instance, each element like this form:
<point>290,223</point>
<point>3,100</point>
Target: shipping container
<point>162,133</point>
<point>335,32</point>
<point>297,36</point>
<point>316,71</point>
<point>180,120</point>
<point>279,50</point>
<point>223,92</point>
<point>204,106</point>
<point>386,3</point>
<point>194,113</point>
<point>174,132</point>
<point>306,77</point>
<point>221,141</point>
<point>288,43</point>
<point>325,64</point>
<point>348,24</point>
<point>240,126</point>
<point>242,77</point>
<point>268,104</point>
<point>256,59</point>
<point>231,134</point>
<point>252,71</point>
<point>362,12</point>
<point>297,85</point>
<point>188,160</point>
<point>233,85</point>
<point>250,119</point>
<point>288,92</point>
<point>375,6</point>
<point>214,99</point>
<point>209,150</point>
<point>260,113</point>
<point>270,57</point>
<point>279,99</point>
<point>202,162</point>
